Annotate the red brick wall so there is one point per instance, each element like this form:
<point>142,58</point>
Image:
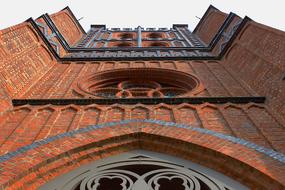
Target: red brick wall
<point>42,164</point>
<point>67,26</point>
<point>257,58</point>
<point>23,60</point>
<point>216,80</point>
<point>254,123</point>
<point>211,24</point>
<point>252,66</point>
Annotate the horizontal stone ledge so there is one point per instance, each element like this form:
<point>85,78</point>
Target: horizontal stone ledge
<point>149,101</point>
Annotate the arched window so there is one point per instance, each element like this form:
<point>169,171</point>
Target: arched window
<point>124,44</point>
<point>134,83</point>
<point>154,35</point>
<point>158,44</point>
<point>143,170</point>
<point>126,36</point>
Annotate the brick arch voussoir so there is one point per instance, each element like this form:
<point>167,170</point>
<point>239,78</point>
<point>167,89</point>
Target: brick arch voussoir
<point>61,155</point>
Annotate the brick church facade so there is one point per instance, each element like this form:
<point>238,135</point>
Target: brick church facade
<point>195,110</point>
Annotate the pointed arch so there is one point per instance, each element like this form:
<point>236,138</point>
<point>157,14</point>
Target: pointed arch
<point>114,113</point>
<point>140,112</point>
<point>164,139</point>
<point>164,113</point>
<point>188,114</point>
<point>214,120</point>
<point>90,116</point>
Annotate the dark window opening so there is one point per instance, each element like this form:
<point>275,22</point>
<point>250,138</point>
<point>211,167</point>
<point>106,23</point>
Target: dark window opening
<point>126,36</point>
<point>155,35</point>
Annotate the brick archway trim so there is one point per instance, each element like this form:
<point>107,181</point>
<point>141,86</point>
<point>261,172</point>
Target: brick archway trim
<point>147,134</point>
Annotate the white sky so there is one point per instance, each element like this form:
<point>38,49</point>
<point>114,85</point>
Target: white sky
<point>147,13</point>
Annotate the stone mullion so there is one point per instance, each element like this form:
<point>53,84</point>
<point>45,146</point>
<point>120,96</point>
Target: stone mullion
<point>139,38</point>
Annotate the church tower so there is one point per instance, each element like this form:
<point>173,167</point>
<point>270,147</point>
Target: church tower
<point>142,108</point>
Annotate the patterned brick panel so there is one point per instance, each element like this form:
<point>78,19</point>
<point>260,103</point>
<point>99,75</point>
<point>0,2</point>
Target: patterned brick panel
<point>67,26</point>
<point>23,59</point>
<point>61,80</point>
<point>210,26</point>
<point>258,56</point>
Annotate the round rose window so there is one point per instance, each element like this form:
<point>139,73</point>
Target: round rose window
<point>138,83</point>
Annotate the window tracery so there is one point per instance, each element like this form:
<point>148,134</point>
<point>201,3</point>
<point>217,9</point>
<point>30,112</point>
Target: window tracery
<point>138,83</point>
<point>143,170</point>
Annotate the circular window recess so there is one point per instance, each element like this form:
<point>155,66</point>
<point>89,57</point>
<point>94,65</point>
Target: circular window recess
<point>124,44</point>
<point>124,36</point>
<point>158,44</point>
<point>154,35</point>
<point>137,82</point>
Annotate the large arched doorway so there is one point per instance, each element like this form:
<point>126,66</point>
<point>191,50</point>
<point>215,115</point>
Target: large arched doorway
<point>143,170</point>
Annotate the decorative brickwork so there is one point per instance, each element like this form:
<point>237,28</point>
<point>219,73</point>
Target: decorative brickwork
<point>213,96</point>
